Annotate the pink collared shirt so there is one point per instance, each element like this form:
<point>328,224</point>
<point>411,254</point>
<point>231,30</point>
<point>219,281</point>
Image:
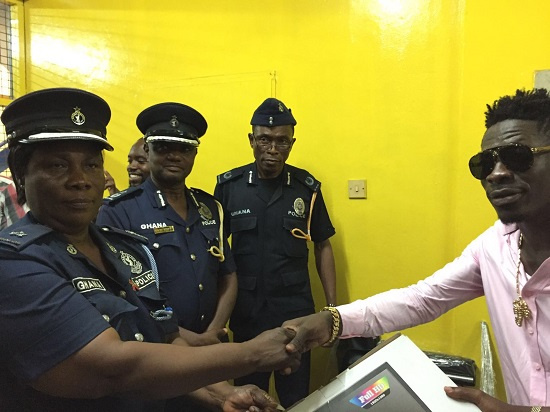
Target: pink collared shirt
<point>486,267</point>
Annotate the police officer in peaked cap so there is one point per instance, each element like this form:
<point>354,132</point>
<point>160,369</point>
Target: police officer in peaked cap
<point>73,292</point>
<point>274,209</point>
<point>183,225</point>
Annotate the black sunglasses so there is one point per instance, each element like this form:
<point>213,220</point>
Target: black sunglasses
<point>516,157</point>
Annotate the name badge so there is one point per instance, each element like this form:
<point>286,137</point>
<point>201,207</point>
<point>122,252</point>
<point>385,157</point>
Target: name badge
<point>161,230</point>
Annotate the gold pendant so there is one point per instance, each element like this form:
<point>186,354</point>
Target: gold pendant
<point>521,310</point>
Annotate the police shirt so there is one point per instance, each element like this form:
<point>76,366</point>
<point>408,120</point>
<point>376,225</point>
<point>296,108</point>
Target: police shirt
<point>188,272</point>
<point>272,264</point>
<point>54,302</point>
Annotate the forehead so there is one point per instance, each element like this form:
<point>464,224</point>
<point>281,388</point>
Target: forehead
<point>138,149</point>
<point>275,131</point>
<point>514,131</point>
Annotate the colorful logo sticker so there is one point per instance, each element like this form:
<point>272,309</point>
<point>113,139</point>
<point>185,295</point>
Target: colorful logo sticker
<point>372,394</point>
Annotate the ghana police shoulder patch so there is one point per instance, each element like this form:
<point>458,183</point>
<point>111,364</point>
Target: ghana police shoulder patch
<point>231,174</point>
<point>126,193</point>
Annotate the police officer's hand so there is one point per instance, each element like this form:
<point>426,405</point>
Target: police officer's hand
<point>269,353</point>
<point>249,398</point>
<point>210,337</point>
<point>311,331</point>
<point>483,401</point>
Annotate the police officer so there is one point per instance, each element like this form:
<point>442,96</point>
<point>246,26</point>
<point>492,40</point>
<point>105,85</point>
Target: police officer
<point>85,327</point>
<point>183,224</point>
<point>138,168</point>
<point>273,210</point>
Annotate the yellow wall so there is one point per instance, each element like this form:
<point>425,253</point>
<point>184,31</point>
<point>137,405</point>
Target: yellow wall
<point>384,90</point>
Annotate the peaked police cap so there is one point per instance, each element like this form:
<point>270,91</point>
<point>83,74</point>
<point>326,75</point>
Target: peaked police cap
<point>57,114</point>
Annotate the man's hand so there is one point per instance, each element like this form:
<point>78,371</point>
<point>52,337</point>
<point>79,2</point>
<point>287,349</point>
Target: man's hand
<point>249,398</point>
<point>483,401</point>
<point>110,184</point>
<point>269,353</point>
<point>311,331</point>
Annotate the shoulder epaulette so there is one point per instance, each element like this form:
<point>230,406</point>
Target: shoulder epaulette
<point>231,174</point>
<point>18,237</point>
<point>122,194</point>
<point>304,177</point>
<point>128,233</point>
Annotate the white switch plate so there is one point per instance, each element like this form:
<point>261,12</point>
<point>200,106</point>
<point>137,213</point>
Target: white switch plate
<point>357,189</point>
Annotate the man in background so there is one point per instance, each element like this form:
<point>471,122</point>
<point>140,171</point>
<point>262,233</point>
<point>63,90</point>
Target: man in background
<point>272,210</point>
<point>138,168</point>
<point>10,210</point>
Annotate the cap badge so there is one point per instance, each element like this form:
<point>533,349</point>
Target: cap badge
<point>270,120</point>
<point>78,117</point>
<point>174,122</point>
<point>71,249</point>
<point>299,206</point>
<point>127,259</point>
<point>281,108</point>
<point>18,234</point>
<point>204,211</point>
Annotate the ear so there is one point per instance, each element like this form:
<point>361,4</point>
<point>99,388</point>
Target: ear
<point>292,144</point>
<point>251,139</point>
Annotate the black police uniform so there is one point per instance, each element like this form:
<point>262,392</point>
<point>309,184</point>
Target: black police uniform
<point>272,264</point>
<point>54,302</point>
<point>189,271</point>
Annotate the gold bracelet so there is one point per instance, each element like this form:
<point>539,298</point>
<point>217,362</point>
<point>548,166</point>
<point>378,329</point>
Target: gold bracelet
<point>536,408</point>
<point>336,324</point>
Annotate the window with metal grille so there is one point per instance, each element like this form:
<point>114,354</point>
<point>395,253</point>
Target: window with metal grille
<point>11,78</point>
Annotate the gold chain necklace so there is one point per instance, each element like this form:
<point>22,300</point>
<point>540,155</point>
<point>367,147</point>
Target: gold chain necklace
<point>521,310</point>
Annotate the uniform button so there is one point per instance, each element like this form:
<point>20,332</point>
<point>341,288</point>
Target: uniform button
<point>193,257</point>
<point>106,317</point>
<point>187,230</point>
<point>122,294</point>
<point>155,245</point>
<point>139,337</point>
<point>105,229</point>
<point>201,287</point>
<point>531,331</point>
<point>537,366</point>
<point>202,317</point>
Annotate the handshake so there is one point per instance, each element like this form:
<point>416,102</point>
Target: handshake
<point>281,348</point>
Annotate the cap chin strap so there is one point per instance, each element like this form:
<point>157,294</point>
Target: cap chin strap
<point>174,139</point>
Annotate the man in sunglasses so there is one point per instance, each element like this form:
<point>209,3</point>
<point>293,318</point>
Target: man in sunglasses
<point>273,209</point>
<point>508,264</point>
